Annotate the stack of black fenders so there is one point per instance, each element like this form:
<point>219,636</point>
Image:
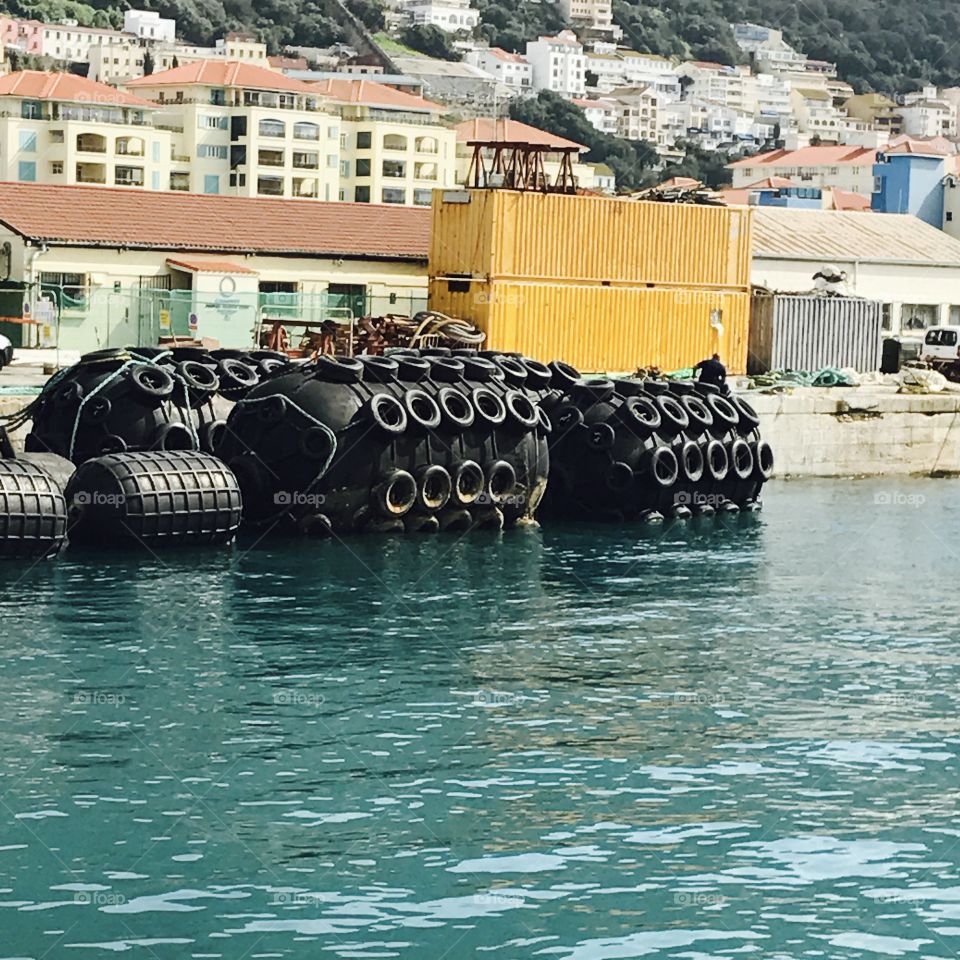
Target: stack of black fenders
<point>156,446</point>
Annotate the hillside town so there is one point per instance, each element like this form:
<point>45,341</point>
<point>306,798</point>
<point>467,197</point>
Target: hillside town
<point>380,123</point>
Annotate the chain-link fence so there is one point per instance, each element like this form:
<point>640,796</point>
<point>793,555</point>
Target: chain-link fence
<point>77,318</point>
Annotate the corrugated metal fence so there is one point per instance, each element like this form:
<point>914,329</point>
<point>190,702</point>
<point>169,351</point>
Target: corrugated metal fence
<point>812,332</point>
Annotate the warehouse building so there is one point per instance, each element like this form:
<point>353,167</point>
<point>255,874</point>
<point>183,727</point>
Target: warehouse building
<point>912,268</point>
<point>90,267</point>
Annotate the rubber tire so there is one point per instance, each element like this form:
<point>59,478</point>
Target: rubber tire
<point>658,459</point>
<point>339,369</point>
<point>382,494</point>
<point>414,401</point>
<point>411,369</point>
<point>379,369</point>
<point>741,459</point>
<point>698,413</point>
<point>393,423</point>
<point>431,474</point>
<point>641,415</point>
<point>456,408</point>
<point>473,472</point>
<point>673,418</point>
<point>692,471</point>
<point>153,382</point>
<point>716,461</point>
<point>489,406</point>
<point>501,475</point>
<point>520,409</point>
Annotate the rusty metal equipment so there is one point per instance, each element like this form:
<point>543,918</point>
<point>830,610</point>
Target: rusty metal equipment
<point>520,166</point>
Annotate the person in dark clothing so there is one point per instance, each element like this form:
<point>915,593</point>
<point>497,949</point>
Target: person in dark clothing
<point>712,371</point>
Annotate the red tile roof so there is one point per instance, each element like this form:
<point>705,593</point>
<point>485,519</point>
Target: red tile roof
<point>509,131</point>
<point>810,157</point>
<point>372,94</point>
<point>222,73</point>
<point>208,266</point>
<point>37,85</point>
<point>848,200</point>
<point>182,222</point>
<point>502,54</point>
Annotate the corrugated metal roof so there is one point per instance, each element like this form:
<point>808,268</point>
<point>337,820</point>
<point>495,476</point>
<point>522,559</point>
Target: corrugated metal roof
<point>833,235</point>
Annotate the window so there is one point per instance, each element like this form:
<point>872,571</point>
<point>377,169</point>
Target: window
<point>129,146</point>
<point>56,168</point>
<point>426,144</point>
<point>270,186</point>
<point>272,128</point>
<point>27,171</point>
<point>271,158</point>
<point>306,131</point>
<point>155,180</point>
<point>91,143</point>
<point>218,97</point>
<point>394,168</point>
<point>28,141</point>
<point>361,195</point>
<point>949,216</point>
<point>363,168</point>
<point>332,160</point>
<point>56,136</point>
<point>304,187</point>
<point>156,151</point>
<point>306,160</point>
<point>394,195</point>
<point>422,198</point>
<point>364,140</point>
<point>333,133</point>
<point>128,176</point>
<point>425,171</point>
<point>31,110</point>
<point>72,287</point>
<point>212,151</point>
<point>941,338</point>
<point>393,141</point>
<point>211,183</point>
<point>345,172</point>
<point>206,121</point>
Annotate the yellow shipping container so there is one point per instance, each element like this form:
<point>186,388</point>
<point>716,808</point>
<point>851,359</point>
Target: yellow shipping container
<point>603,329</point>
<point>506,234</point>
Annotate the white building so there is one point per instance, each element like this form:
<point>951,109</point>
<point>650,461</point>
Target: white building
<point>721,84</point>
<point>770,52</point>
<point>841,167</point>
<point>611,68</point>
<point>911,267</point>
<point>449,15</point>
<point>593,15</point>
<point>511,69</point>
<point>927,114</point>
<point>601,114</point>
<point>558,64</point>
<point>637,114</point>
<point>149,25</point>
<point>817,116</point>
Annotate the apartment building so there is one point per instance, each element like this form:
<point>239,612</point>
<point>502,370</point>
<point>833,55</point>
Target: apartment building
<point>510,69</point>
<point>149,25</point>
<point>817,117</point>
<point>610,68</point>
<point>841,167</point>
<point>246,131</point>
<point>393,149</point>
<point>449,15</point>
<point>637,114</point>
<point>595,16</point>
<point>58,128</point>
<point>600,113</point>
<point>876,109</point>
<point>558,64</point>
<point>24,35</point>
<point>71,42</point>
<point>721,84</point>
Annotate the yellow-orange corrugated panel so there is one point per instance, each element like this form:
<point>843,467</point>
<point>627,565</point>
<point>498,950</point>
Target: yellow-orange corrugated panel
<point>604,329</point>
<point>506,234</point>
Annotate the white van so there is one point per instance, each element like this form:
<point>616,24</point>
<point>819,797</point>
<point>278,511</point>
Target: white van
<point>6,351</point>
<point>941,349</point>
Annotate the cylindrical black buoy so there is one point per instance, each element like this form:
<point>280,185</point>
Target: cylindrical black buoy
<point>33,512</point>
<point>155,497</point>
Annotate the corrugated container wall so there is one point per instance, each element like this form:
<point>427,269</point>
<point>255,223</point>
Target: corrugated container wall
<point>810,332</point>
<point>600,329</point>
<point>506,234</point>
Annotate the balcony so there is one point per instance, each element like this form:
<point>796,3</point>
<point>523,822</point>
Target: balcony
<point>128,176</point>
<point>270,186</point>
<point>271,158</point>
<point>305,187</point>
<point>91,173</point>
<point>91,143</point>
<point>180,181</point>
<point>129,147</point>
<point>306,161</point>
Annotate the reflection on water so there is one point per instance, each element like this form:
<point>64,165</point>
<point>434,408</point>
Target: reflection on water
<point>579,742</point>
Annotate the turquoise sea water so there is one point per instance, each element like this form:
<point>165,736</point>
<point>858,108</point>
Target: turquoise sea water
<point>580,743</point>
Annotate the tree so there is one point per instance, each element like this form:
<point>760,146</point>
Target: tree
<point>631,160</point>
<point>429,40</point>
<point>148,63</point>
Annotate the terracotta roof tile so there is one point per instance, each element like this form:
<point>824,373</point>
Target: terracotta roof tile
<point>509,131</point>
<point>810,157</point>
<point>186,222</point>
<point>222,73</point>
<point>37,85</point>
<point>208,266</point>
<point>372,94</point>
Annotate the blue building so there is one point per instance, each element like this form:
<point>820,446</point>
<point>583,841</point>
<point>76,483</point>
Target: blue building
<point>908,180</point>
<point>793,198</point>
